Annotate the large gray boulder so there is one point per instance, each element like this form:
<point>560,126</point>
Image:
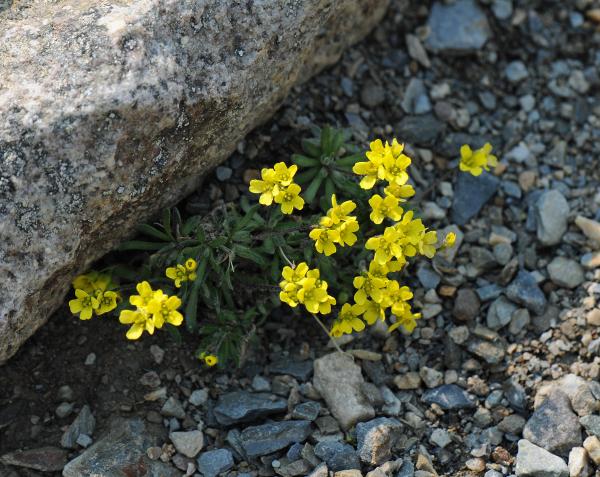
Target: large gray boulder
<point>110,111</point>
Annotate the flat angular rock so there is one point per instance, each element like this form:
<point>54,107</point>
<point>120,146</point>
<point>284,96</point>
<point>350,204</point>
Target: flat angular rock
<point>460,27</point>
<point>214,462</point>
<point>337,455</point>
<point>97,138</point>
<point>45,459</point>
<point>533,461</point>
<point>471,194</point>
<point>269,438</point>
<point>188,443</point>
<point>241,406</point>
<point>122,451</point>
<point>525,291</point>
<point>338,379</point>
<point>449,397</point>
<point>84,423</point>
<point>301,370</point>
<point>554,426</point>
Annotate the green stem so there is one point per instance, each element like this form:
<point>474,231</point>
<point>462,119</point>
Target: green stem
<point>327,333</point>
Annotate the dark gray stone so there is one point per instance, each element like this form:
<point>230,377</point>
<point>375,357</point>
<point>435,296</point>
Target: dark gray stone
<point>301,370</point>
<point>376,439</point>
<point>421,130</point>
<point>591,424</point>
<point>269,438</point>
<point>214,462</point>
<point>406,470</point>
<point>84,423</point>
<point>449,397</point>
<point>241,406</point>
<point>459,27</point>
<point>553,425</point>
<point>122,450</point>
<point>471,194</point>
<point>525,291</point>
<point>337,455</point>
<point>306,410</point>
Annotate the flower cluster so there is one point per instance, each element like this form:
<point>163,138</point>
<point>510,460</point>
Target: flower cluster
<point>336,227</point>
<point>474,162</point>
<point>182,273</point>
<point>153,309</point>
<point>93,295</point>
<point>404,238</point>
<point>300,285</point>
<point>277,184</point>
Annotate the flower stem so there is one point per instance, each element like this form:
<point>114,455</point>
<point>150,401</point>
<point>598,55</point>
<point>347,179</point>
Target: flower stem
<point>290,263</point>
<point>327,333</point>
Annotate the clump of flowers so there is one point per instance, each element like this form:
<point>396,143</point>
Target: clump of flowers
<point>403,237</point>
<point>474,162</point>
<point>153,308</point>
<point>182,273</point>
<point>350,248</point>
<point>277,184</point>
<point>93,295</point>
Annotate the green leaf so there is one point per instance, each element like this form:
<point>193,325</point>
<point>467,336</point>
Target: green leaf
<point>247,218</point>
<point>306,176</point>
<point>337,140</point>
<point>268,245</point>
<point>312,147</point>
<point>350,160</point>
<point>174,332</point>
<point>218,242</point>
<point>313,188</point>
<point>140,245</point>
<point>250,254</point>
<point>153,232</point>
<point>191,308</point>
<point>329,190</point>
<point>304,161</point>
<point>166,222</point>
<point>327,141</point>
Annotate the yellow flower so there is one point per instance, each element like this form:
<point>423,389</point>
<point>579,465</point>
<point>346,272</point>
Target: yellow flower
<point>396,297</point>
<point>284,175</point>
<point>348,320</point>
<point>373,311</point>
<point>407,320</point>
<point>384,207</point>
<point>289,199</point>
<point>427,244</point>
<point>339,213</point>
<point>409,233</point>
<point>449,240</point>
<point>401,192</point>
<point>381,271</point>
<point>325,307</point>
<point>107,301</point>
<point>92,281</point>
<point>370,168</point>
<point>182,273</point>
<point>211,360</point>
<point>312,296</point>
<point>164,310</point>
<point>474,162</point>
<point>395,165</point>
<point>386,246</point>
<point>84,304</point>
<point>346,231</point>
<point>325,240</point>
<point>145,295</point>
<point>368,286</point>
<point>139,320</point>
<point>267,187</point>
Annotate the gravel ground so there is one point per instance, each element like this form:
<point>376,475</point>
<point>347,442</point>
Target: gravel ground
<point>500,377</point>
